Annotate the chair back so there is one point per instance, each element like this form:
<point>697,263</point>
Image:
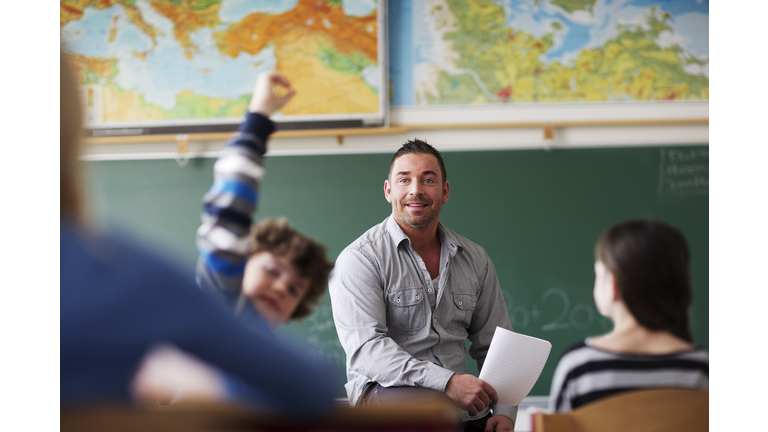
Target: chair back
<point>657,410</point>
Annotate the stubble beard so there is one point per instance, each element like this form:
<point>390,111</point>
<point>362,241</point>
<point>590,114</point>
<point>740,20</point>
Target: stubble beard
<point>422,221</point>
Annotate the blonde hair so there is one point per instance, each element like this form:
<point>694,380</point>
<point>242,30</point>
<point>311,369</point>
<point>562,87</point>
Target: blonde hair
<point>70,123</point>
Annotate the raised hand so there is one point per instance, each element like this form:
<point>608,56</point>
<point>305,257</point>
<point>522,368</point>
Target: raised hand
<point>265,101</point>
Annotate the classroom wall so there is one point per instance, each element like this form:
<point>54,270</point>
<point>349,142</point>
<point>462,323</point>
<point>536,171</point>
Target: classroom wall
<point>537,211</point>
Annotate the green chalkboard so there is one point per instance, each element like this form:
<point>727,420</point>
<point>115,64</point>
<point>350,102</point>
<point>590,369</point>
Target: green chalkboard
<point>537,213</point>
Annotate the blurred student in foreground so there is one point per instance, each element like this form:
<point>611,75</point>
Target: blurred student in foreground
<point>642,283</point>
<point>119,301</point>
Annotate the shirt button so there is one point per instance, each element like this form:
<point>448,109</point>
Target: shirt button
<point>430,289</point>
<point>421,264</point>
<point>459,302</point>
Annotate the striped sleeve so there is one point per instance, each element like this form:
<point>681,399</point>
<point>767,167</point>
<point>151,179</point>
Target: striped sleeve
<point>223,237</point>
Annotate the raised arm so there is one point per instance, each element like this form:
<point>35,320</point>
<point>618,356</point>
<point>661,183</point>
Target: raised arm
<point>228,207</point>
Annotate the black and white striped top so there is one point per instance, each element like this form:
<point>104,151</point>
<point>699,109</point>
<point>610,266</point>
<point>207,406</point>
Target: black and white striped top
<point>585,373</point>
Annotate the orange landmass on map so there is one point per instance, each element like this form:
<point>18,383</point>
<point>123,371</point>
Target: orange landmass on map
<point>120,105</point>
<point>101,67</point>
<point>72,10</point>
<point>298,37</point>
<point>113,29</point>
<point>348,34</point>
<point>187,19</point>
<point>318,89</point>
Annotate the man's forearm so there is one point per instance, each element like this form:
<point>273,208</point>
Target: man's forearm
<point>383,361</point>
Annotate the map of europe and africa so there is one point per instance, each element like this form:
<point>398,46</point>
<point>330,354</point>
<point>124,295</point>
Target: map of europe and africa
<point>195,62</point>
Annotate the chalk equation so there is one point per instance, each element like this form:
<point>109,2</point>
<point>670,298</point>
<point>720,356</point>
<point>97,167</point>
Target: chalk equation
<point>684,171</point>
<point>557,304</point>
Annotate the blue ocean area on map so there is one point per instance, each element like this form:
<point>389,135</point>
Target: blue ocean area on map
<point>359,8</point>
<point>400,48</point>
<point>235,10</point>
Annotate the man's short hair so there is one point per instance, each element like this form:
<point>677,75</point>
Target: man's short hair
<point>417,146</point>
<point>307,256</point>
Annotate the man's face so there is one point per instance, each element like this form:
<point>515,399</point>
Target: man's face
<point>274,286</point>
<point>416,190</point>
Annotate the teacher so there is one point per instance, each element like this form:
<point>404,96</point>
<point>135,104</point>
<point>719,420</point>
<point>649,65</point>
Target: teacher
<point>409,293</point>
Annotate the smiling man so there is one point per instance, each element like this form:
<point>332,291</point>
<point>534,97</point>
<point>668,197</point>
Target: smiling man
<point>409,293</point>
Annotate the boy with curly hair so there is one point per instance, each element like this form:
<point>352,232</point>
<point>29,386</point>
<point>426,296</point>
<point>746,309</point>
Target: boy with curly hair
<point>267,272</point>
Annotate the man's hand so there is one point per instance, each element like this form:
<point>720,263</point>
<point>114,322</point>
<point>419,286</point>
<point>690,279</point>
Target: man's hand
<point>470,393</point>
<point>265,100</point>
<point>499,423</point>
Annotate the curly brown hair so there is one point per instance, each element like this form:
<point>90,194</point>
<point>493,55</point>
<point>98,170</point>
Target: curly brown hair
<point>308,256</point>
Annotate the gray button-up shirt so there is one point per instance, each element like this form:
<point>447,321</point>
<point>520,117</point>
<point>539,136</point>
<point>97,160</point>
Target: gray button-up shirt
<point>390,330</point>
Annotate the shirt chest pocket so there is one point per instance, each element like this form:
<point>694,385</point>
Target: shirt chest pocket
<point>406,310</point>
<point>463,307</point>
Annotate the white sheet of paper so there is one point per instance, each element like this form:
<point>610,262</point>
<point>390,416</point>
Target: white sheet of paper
<point>513,364</point>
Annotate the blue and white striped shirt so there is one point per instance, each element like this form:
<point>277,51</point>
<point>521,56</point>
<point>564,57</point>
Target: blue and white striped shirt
<point>223,239</point>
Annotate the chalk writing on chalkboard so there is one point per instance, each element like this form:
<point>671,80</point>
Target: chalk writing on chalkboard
<point>684,171</point>
<point>562,316</point>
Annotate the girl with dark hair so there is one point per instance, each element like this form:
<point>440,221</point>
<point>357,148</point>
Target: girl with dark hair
<point>642,283</point>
